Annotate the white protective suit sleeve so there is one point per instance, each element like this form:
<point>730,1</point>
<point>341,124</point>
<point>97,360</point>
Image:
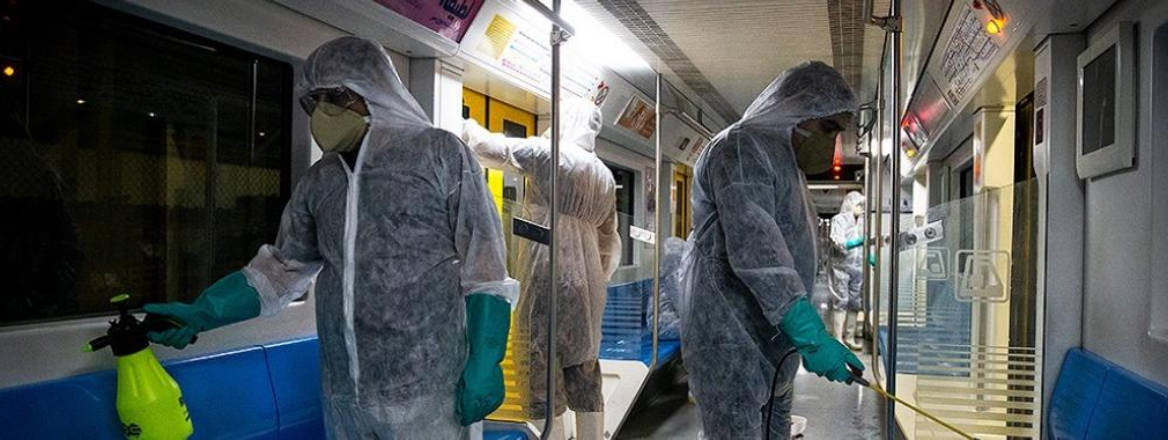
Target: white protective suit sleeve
<point>496,150</point>
<point>283,272</point>
<point>476,232</point>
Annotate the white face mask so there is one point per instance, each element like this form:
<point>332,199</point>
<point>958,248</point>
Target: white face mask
<point>337,129</point>
<point>815,151</point>
<point>858,210</point>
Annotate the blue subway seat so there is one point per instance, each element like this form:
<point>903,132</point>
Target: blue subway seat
<point>294,367</point>
<point>503,435</point>
<point>1096,399</point>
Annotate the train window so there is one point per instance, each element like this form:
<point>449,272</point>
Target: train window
<point>624,208</point>
<point>137,159</point>
<point>514,129</point>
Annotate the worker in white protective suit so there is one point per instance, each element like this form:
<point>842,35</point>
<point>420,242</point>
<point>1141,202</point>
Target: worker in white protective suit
<point>746,311</point>
<point>847,238</point>
<point>589,252</point>
<point>412,296</point>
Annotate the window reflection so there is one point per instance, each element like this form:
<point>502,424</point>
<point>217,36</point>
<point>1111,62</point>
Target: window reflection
<point>142,160</point>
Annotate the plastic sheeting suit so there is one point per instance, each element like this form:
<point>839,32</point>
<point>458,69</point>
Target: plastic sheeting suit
<point>588,244</point>
<point>402,241</point>
<point>847,268</point>
<point>671,284</point>
<point>754,261</point>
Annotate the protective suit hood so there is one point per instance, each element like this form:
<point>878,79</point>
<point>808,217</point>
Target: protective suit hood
<point>581,122</point>
<point>364,67</point>
<point>808,91</point>
<point>851,200</point>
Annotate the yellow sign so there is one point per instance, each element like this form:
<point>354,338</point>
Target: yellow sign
<point>499,34</point>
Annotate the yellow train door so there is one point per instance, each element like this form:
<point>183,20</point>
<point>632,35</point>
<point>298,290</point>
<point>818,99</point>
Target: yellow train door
<point>500,117</point>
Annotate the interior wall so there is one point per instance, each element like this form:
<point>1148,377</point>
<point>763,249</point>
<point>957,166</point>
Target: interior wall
<point>1119,228</point>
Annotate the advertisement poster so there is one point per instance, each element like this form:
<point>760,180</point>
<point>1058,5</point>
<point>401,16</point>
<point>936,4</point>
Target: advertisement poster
<point>696,152</point>
<point>449,18</point>
<point>639,117</point>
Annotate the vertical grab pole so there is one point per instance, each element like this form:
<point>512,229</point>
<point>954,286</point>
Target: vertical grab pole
<point>557,37</point>
<point>878,222</point>
<point>865,249</point>
<point>894,219</point>
<point>657,218</point>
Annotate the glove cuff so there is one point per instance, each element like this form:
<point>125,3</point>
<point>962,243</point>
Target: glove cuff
<point>488,320</point>
<point>802,324</point>
<point>229,300</point>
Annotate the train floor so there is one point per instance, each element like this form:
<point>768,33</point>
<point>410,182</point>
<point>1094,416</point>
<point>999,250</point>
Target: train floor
<point>833,411</point>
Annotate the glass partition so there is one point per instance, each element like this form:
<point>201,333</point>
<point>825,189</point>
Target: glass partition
<point>966,321</point>
<point>628,310</point>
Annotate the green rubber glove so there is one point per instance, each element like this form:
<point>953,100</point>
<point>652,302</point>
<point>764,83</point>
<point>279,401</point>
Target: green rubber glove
<point>481,390</point>
<point>854,243</point>
<point>822,354</point>
<point>872,260</point>
<point>228,301</point>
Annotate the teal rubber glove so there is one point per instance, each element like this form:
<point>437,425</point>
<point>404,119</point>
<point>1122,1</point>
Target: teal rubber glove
<point>872,260</point>
<point>854,243</point>
<point>228,301</point>
<point>822,354</point>
<point>481,390</point>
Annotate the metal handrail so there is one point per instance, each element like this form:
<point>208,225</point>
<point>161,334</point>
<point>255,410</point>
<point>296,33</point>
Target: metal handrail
<point>552,15</point>
<point>557,37</point>
<point>657,226</point>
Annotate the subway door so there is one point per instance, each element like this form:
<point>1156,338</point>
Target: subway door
<point>498,117</point>
<point>682,175</point>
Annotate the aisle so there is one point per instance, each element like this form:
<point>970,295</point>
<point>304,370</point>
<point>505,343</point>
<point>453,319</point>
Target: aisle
<point>833,411</point>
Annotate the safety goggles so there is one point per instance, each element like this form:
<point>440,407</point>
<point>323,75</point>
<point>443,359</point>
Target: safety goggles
<point>340,97</point>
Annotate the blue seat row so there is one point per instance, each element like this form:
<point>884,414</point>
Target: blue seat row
<point>262,392</point>
<point>625,334</point>
<point>1094,398</point>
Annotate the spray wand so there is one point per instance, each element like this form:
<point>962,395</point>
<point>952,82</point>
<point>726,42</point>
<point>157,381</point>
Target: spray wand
<point>858,377</point>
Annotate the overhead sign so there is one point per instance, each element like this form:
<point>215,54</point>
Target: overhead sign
<point>520,47</point>
<point>449,18</point>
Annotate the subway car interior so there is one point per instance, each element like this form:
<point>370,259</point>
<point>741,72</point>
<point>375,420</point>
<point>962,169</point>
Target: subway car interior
<point>673,219</point>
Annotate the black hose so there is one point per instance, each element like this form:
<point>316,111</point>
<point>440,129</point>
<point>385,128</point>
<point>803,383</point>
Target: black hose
<point>771,402</point>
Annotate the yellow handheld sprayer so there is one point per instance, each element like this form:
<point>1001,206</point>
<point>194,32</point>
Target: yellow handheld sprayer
<point>149,401</point>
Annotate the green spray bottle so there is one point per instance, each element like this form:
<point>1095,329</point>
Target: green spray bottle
<point>149,401</point>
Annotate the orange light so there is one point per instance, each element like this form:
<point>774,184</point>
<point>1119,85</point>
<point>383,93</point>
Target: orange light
<point>9,70</point>
<point>995,26</point>
<point>838,168</point>
<point>837,177</point>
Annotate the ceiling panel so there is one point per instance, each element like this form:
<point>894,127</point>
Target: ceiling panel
<point>741,45</point>
<point>726,52</point>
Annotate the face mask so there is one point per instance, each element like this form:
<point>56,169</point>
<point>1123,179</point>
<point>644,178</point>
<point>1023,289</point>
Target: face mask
<point>815,151</point>
<point>858,210</point>
<point>337,129</point>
